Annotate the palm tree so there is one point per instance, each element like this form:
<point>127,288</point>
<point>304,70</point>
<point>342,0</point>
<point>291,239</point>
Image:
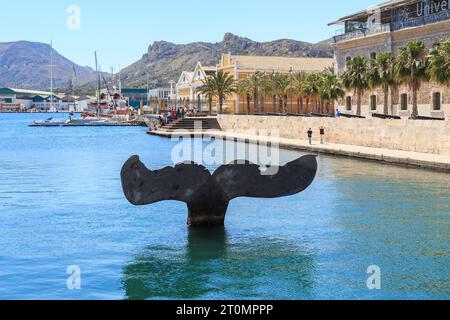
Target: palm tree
<point>208,90</point>
<point>356,78</point>
<point>223,86</point>
<point>330,90</point>
<point>244,88</point>
<point>411,68</point>
<point>312,88</point>
<point>298,85</point>
<point>265,89</point>
<point>381,74</point>
<point>255,82</point>
<point>439,63</point>
<point>281,90</point>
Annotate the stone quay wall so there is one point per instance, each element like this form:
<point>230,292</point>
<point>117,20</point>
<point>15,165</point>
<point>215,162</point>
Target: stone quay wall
<point>406,135</point>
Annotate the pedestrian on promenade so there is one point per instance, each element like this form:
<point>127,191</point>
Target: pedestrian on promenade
<point>338,113</point>
<point>322,134</point>
<point>310,135</point>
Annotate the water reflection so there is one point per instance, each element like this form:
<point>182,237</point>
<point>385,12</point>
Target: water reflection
<point>214,266</point>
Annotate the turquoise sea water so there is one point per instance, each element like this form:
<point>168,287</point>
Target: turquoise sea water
<point>61,205</point>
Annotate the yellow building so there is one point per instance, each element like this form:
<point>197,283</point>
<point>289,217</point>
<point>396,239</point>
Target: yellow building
<point>190,82</point>
<point>242,67</point>
<point>184,86</point>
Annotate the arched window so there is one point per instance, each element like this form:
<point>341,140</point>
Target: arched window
<point>404,101</point>
<point>373,103</point>
<point>348,103</point>
<point>436,101</point>
<point>373,55</point>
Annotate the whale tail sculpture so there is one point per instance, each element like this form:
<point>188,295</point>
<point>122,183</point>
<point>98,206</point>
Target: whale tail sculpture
<point>208,195</point>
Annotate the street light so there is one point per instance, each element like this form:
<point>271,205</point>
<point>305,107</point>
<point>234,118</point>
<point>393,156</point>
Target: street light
<point>290,89</point>
<point>263,102</point>
<point>273,92</point>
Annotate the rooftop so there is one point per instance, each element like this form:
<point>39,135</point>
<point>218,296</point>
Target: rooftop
<point>392,16</point>
<point>12,91</point>
<point>385,6</point>
<point>282,64</point>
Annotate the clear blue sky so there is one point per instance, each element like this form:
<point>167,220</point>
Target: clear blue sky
<point>121,31</point>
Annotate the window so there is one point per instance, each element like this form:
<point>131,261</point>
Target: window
<point>373,55</point>
<point>348,59</point>
<point>436,101</point>
<point>404,101</point>
<point>349,103</point>
<point>373,103</point>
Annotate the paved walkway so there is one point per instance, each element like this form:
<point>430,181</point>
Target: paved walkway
<point>425,160</point>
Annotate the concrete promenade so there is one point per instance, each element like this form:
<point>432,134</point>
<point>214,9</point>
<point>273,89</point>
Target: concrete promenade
<point>417,159</point>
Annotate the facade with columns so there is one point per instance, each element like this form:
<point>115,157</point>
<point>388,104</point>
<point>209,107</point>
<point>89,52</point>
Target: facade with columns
<point>387,28</point>
<point>242,67</point>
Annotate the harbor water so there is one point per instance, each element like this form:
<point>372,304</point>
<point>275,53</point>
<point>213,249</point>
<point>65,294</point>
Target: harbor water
<point>62,206</point>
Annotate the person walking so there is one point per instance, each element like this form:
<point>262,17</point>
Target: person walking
<point>310,135</point>
<point>322,134</point>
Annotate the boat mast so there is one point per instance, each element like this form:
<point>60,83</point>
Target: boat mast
<point>51,75</point>
<point>73,90</point>
<point>120,84</point>
<point>98,84</point>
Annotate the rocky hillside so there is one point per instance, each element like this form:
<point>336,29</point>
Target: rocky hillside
<point>26,65</point>
<point>165,61</point>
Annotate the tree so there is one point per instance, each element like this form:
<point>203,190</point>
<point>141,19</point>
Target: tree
<point>244,88</point>
<point>330,89</point>
<point>298,85</point>
<point>208,89</point>
<point>381,74</point>
<point>281,89</point>
<point>223,85</point>
<point>265,89</point>
<point>356,78</point>
<point>312,88</point>
<point>439,63</point>
<point>255,84</point>
<point>411,68</point>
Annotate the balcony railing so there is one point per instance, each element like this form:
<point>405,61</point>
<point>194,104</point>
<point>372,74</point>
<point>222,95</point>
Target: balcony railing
<point>395,26</point>
<point>363,33</point>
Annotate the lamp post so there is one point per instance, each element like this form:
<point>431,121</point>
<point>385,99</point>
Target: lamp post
<point>263,98</point>
<point>290,89</point>
<point>274,99</point>
<point>256,103</point>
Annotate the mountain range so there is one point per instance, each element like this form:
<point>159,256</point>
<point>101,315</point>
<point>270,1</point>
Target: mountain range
<point>26,64</point>
<point>165,61</point>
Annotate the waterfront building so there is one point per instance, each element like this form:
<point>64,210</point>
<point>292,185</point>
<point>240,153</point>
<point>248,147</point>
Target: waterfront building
<point>136,97</point>
<point>19,99</point>
<point>189,83</point>
<point>241,67</point>
<point>387,28</point>
<point>160,93</point>
<point>83,103</point>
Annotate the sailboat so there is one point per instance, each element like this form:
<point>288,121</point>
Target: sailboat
<point>51,122</point>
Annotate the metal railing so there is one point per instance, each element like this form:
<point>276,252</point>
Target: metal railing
<point>382,28</point>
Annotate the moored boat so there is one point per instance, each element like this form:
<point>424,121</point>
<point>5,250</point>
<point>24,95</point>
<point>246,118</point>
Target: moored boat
<point>48,123</point>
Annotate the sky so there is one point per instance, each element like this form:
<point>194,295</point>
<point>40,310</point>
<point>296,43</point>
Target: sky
<point>121,31</point>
